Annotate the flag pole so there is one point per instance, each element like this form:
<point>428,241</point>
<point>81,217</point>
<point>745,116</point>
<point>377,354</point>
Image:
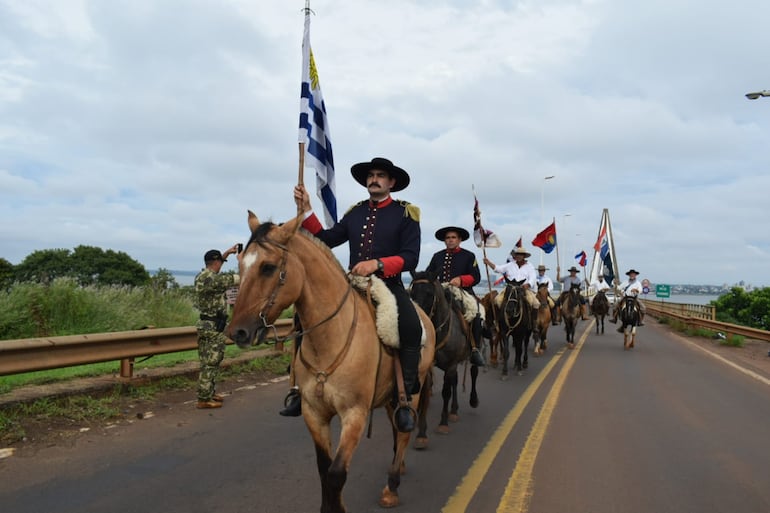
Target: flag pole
<point>558,260</point>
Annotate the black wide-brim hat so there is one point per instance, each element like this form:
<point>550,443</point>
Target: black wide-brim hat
<point>361,170</point>
<point>462,232</point>
<point>632,271</point>
<point>573,269</point>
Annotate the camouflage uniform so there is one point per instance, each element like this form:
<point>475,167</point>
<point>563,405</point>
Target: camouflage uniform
<point>210,299</point>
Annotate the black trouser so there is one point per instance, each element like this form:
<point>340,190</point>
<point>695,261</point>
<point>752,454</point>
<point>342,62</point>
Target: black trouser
<point>409,334</point>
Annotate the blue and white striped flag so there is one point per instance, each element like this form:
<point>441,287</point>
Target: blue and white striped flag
<point>314,130</point>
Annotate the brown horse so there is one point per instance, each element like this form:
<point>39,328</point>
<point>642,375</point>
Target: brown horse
<point>600,307</point>
<point>491,327</point>
<point>570,312</point>
<point>514,319</point>
<point>341,368</point>
<point>543,321</point>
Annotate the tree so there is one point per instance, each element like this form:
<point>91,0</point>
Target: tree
<point>745,308</point>
<point>163,280</point>
<point>6,273</point>
<point>45,265</point>
<point>89,265</point>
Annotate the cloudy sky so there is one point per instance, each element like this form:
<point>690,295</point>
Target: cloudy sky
<point>151,127</point>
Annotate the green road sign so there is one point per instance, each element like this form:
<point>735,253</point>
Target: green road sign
<point>663,290</point>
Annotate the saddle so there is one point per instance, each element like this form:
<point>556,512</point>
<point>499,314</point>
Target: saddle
<point>464,302</point>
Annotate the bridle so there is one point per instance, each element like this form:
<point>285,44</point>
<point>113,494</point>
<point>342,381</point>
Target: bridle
<point>432,311</point>
<point>280,282</point>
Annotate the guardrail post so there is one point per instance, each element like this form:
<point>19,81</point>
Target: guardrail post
<point>127,367</point>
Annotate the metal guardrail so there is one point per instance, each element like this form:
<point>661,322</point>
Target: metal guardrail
<point>655,309</point>
<point>685,309</point>
<point>35,354</point>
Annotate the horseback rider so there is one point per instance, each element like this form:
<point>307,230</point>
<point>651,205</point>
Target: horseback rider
<point>631,289</point>
<point>383,236</point>
<point>541,279</point>
<point>566,284</point>
<point>599,285</point>
<point>517,270</point>
<point>457,266</point>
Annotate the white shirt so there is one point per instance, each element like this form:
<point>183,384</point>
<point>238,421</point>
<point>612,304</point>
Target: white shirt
<point>568,281</point>
<point>631,288</point>
<point>543,278</point>
<point>600,285</point>
<point>513,272</point>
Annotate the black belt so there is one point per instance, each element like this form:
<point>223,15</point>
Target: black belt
<point>210,318</point>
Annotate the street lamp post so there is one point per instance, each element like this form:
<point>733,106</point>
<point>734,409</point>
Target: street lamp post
<point>542,202</point>
<point>757,94</point>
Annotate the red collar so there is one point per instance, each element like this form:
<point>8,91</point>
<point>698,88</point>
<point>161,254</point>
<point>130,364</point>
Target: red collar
<point>384,203</point>
<point>456,250</point>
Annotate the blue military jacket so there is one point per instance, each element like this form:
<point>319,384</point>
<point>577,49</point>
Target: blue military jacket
<point>448,264</point>
<point>389,231</point>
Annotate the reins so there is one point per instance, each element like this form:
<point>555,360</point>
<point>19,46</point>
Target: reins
<point>441,326</point>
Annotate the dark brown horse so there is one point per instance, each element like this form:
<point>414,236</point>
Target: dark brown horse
<point>600,307</point>
<point>341,367</point>
<point>543,321</point>
<point>452,347</point>
<point>628,315</point>
<point>570,312</point>
<point>514,317</point>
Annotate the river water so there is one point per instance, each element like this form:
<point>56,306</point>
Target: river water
<point>689,299</point>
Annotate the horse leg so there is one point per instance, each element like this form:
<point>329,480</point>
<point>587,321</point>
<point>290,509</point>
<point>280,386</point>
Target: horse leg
<point>525,361</point>
<point>446,395</point>
<point>505,353</point>
<point>453,416</point>
<point>421,440</point>
<point>518,342</point>
<point>474,394</point>
<point>536,337</point>
<point>389,496</point>
<point>333,474</point>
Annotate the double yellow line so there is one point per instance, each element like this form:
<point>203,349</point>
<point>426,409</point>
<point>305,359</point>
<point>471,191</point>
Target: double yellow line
<point>517,493</point>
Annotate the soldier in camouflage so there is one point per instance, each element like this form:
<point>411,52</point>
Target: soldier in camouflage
<point>210,287</point>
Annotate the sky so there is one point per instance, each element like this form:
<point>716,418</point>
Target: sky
<point>152,127</point>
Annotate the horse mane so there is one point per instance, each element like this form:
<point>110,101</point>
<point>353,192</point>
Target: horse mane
<point>260,236</point>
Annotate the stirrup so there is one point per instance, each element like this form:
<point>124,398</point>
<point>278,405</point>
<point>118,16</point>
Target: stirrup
<point>292,405</point>
<point>477,358</point>
<point>404,418</point>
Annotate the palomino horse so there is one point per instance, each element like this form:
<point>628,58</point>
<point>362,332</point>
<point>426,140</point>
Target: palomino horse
<point>341,367</point>
<point>600,307</point>
<point>491,326</point>
<point>452,347</point>
<point>570,312</point>
<point>514,319</point>
<point>629,318</point>
<point>543,321</point>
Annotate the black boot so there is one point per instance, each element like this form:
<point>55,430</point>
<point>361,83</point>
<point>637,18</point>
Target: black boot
<point>554,319</point>
<point>477,358</point>
<point>410,363</point>
<point>292,404</point>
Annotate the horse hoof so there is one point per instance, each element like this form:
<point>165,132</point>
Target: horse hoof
<point>442,430</point>
<point>388,499</point>
<point>453,417</point>
<point>474,402</point>
<point>421,443</point>
<point>504,377</point>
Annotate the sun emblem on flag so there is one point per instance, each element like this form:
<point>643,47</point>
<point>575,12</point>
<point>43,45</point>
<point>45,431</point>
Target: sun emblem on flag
<point>313,73</point>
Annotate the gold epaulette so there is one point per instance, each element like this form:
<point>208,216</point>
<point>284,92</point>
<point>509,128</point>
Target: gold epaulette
<point>412,211</point>
<point>352,207</point>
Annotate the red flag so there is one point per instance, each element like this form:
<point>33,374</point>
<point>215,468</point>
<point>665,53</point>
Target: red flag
<point>546,240</point>
<point>602,233</point>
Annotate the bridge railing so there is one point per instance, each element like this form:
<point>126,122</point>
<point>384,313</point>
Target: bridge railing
<point>702,318</point>
<point>36,354</point>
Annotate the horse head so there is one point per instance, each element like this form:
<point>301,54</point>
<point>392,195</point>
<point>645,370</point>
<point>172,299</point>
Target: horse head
<point>272,278</point>
<point>425,290</point>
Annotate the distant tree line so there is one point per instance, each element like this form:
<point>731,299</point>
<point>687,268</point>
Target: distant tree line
<point>745,308</point>
<point>87,265</point>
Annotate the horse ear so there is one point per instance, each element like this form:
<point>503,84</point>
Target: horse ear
<point>289,228</point>
<point>253,221</point>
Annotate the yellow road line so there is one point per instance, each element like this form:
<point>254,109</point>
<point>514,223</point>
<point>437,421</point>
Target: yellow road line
<point>518,492</point>
<point>465,491</point>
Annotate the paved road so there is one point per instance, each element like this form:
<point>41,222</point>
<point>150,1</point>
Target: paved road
<point>663,427</point>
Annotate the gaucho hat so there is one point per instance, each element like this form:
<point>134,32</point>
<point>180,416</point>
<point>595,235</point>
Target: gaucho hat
<point>519,250</point>
<point>360,170</point>
<point>462,232</point>
<point>632,271</point>
<point>573,269</point>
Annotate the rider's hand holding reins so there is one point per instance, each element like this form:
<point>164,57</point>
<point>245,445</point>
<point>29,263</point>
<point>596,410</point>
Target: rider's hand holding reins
<point>365,268</point>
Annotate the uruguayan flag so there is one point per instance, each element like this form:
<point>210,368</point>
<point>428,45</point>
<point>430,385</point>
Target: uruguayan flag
<point>314,131</point>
